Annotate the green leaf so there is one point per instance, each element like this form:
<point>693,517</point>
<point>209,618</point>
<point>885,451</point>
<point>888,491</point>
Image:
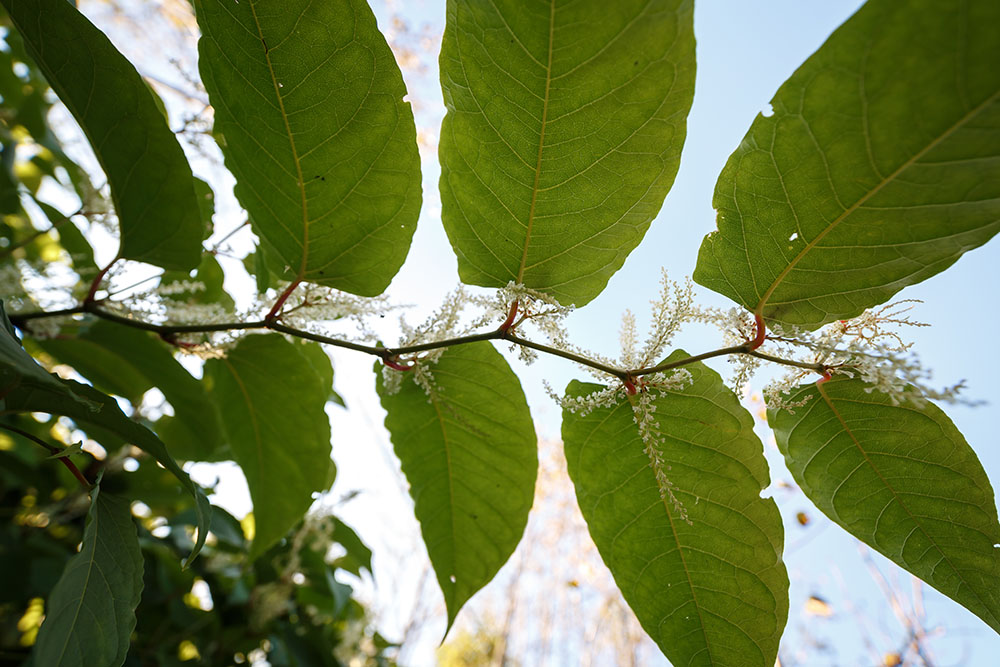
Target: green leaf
<point>256,265</point>
<point>129,362</point>
<point>151,182</point>
<point>18,369</point>
<point>358,557</point>
<point>469,452</point>
<point>206,205</point>
<point>563,135</point>
<point>109,364</point>
<point>71,239</point>
<point>903,480</point>
<point>26,387</point>
<point>90,615</point>
<point>106,415</point>
<point>10,198</point>
<point>310,117</point>
<point>709,591</point>
<point>879,168</point>
<point>270,397</point>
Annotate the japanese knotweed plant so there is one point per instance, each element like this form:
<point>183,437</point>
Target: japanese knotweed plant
<point>878,168</point>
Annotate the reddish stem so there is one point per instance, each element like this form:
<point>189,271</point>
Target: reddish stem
<point>52,450</point>
<point>276,308</point>
<point>96,283</point>
<point>171,339</point>
<point>391,363</point>
<point>511,314</point>
<point>76,472</point>
<point>761,332</point>
<point>630,387</point>
<point>826,378</point>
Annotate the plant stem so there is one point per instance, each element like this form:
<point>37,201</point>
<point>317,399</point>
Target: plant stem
<point>617,372</point>
<point>819,368</point>
<point>218,244</point>
<point>92,292</point>
<point>392,353</point>
<point>52,450</point>
<point>735,349</point>
<point>276,308</point>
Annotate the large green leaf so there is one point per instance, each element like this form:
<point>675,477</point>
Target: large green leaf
<point>270,395</point>
<point>109,356</point>
<point>18,369</point>
<point>469,452</point>
<point>711,590</point>
<point>151,182</point>
<point>309,114</point>
<point>128,362</point>
<point>90,614</point>
<point>563,135</point>
<point>903,480</point>
<point>26,387</point>
<point>879,167</point>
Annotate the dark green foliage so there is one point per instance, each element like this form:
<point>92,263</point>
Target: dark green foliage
<point>151,182</point>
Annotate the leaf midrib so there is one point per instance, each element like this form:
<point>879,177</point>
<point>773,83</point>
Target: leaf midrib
<point>759,310</point>
<point>541,145</point>
<point>680,548</point>
<point>829,401</point>
<point>451,495</point>
<point>291,142</point>
<point>90,562</point>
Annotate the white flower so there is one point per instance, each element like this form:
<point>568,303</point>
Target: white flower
<point>643,414</point>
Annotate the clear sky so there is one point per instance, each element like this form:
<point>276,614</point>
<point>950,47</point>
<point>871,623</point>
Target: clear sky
<point>745,51</point>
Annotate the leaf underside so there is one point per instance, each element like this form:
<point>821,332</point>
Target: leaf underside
<point>563,135</point>
<point>903,480</point>
<point>270,395</point>
<point>710,592</point>
<point>129,362</point>
<point>879,167</point>
<point>469,452</point>
<point>90,614</point>
<point>151,182</point>
<point>311,119</point>
<point>26,387</point>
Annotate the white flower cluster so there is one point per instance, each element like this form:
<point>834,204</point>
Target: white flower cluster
<point>48,327</point>
<point>312,308</point>
<point>445,323</point>
<point>535,310</point>
<point>867,347</point>
<point>180,287</point>
<point>737,327</point>
<point>11,287</point>
<point>608,397</point>
<point>670,311</point>
<point>644,416</point>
